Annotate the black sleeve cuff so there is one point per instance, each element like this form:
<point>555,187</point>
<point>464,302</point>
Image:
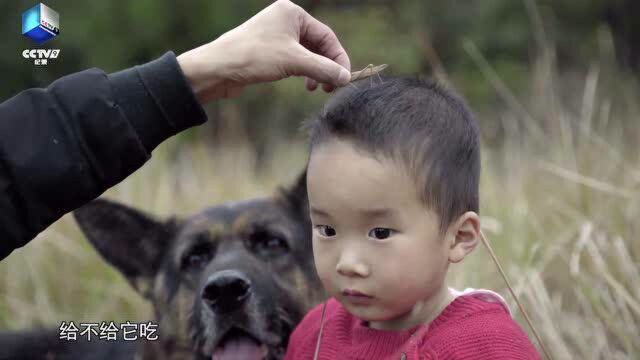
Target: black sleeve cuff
<point>157,100</point>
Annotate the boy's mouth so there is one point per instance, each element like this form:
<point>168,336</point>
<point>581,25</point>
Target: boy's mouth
<point>355,293</point>
<point>356,297</point>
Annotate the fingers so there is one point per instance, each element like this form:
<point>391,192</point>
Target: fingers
<point>318,37</point>
<point>311,84</point>
<point>319,68</point>
<point>328,87</point>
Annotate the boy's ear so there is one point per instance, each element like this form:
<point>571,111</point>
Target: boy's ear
<point>464,235</point>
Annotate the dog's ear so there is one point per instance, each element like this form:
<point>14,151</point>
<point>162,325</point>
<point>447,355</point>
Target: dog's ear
<point>128,239</point>
<point>296,194</point>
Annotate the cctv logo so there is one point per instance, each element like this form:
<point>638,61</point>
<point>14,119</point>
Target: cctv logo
<point>40,53</point>
<point>40,24</point>
<point>40,56</point>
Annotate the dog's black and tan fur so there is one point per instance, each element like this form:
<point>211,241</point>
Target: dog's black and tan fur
<point>239,271</point>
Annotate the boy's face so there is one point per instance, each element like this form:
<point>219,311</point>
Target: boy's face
<point>373,235</point>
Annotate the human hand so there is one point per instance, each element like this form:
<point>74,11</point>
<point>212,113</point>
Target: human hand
<point>280,41</point>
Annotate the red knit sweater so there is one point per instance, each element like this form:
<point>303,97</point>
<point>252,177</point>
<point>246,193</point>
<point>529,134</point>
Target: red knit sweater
<point>468,328</point>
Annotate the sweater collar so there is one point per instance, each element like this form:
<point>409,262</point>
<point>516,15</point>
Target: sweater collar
<point>365,342</point>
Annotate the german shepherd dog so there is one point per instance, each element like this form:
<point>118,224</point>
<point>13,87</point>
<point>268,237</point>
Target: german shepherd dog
<point>230,282</point>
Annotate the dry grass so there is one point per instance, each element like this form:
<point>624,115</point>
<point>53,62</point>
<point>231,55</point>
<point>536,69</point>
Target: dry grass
<point>560,203</point>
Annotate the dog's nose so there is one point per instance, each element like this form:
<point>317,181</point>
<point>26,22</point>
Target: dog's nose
<point>226,290</point>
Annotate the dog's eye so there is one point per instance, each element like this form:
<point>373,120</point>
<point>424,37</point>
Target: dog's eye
<point>267,244</point>
<point>197,257</point>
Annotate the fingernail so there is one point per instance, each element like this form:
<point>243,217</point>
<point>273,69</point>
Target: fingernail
<point>344,77</point>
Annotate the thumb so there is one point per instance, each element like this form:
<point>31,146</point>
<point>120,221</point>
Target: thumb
<point>320,68</point>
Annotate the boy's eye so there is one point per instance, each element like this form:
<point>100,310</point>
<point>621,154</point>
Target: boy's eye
<point>381,233</point>
<point>326,230</point>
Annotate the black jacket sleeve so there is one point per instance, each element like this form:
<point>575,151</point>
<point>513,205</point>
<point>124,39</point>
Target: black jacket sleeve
<point>63,146</point>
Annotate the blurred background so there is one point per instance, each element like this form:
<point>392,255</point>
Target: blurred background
<point>554,84</point>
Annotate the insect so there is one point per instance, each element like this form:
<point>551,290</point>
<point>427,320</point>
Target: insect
<point>368,71</point>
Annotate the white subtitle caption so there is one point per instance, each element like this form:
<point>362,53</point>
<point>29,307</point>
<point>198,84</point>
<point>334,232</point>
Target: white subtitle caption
<point>108,331</point>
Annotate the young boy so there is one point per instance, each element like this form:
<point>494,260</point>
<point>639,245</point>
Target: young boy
<point>392,180</point>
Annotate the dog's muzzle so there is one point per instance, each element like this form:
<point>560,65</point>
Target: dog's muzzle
<point>225,291</point>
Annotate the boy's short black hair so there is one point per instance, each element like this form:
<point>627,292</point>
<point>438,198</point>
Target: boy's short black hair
<point>417,122</point>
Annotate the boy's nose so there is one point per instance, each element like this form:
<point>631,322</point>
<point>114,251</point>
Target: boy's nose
<point>349,266</point>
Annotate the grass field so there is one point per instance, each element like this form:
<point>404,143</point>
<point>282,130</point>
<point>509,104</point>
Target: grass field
<point>560,202</point>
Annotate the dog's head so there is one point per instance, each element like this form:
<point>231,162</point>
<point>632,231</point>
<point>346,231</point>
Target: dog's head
<point>230,282</point>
